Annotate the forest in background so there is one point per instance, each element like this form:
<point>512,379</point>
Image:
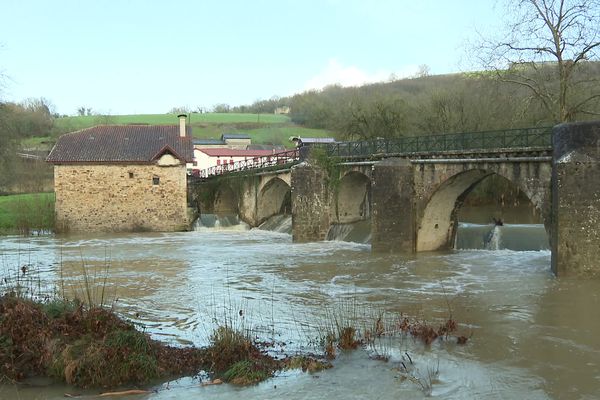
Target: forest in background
<point>465,102</point>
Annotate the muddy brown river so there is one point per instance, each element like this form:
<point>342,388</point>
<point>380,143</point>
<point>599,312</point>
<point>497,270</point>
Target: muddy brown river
<point>533,336</point>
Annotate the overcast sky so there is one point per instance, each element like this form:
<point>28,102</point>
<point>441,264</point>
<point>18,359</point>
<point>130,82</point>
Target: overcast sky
<point>134,56</point>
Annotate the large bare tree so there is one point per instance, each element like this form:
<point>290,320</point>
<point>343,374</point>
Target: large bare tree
<point>546,48</point>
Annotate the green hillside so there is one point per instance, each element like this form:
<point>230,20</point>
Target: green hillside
<point>86,121</point>
<point>262,128</point>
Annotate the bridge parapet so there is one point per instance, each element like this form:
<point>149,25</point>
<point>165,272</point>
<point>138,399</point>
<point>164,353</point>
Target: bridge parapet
<point>276,161</point>
<point>527,139</point>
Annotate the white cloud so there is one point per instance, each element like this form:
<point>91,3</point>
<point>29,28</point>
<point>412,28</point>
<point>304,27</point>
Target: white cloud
<point>336,73</point>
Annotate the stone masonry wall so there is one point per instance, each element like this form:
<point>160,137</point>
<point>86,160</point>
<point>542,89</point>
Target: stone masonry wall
<point>576,199</point>
<point>393,224</point>
<point>310,203</point>
<point>117,198</point>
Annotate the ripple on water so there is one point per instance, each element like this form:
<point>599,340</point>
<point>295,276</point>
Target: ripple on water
<point>175,284</point>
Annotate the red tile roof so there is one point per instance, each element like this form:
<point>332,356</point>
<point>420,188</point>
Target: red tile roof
<point>122,144</point>
<point>226,152</point>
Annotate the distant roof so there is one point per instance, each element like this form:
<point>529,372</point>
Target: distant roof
<point>208,141</point>
<point>234,136</point>
<point>313,140</point>
<point>226,152</point>
<point>276,147</point>
<point>121,144</point>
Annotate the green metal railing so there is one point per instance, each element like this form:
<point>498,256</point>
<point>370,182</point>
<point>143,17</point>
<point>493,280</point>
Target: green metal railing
<point>468,141</point>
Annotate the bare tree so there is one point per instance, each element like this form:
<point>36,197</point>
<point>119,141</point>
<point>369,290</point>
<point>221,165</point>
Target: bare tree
<point>545,48</point>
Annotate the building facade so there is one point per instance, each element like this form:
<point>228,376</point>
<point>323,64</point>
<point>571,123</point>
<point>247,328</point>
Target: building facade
<point>122,178</point>
<point>223,158</point>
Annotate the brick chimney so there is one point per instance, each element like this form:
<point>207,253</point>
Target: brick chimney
<point>182,118</point>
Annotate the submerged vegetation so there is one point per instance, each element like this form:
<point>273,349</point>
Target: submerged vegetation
<point>90,346</point>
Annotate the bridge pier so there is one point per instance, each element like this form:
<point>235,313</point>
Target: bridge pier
<point>576,199</point>
<point>393,224</point>
<point>310,203</point>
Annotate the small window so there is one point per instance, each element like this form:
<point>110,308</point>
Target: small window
<point>130,175</point>
<point>155,180</point>
<point>218,162</point>
<point>230,162</point>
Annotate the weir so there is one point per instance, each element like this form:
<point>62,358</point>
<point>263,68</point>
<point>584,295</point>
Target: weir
<point>518,237</point>
<point>410,191</point>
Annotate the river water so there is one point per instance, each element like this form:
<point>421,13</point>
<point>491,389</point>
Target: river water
<point>533,336</point>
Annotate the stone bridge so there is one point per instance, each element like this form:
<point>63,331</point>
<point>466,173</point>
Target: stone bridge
<point>412,192</point>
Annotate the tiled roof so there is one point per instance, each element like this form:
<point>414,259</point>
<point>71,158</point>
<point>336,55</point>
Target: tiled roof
<point>226,152</point>
<point>121,144</point>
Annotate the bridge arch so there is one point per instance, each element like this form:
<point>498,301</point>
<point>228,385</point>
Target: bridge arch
<point>437,221</point>
<point>353,198</point>
<point>226,201</point>
<point>274,198</point>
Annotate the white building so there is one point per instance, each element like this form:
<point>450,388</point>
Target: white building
<point>223,158</point>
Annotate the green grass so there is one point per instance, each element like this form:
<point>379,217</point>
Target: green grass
<point>274,133</point>
<point>25,212</point>
<point>262,128</point>
<point>81,122</point>
<point>36,142</point>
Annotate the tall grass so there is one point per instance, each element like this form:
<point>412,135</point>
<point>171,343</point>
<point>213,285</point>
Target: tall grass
<point>27,213</point>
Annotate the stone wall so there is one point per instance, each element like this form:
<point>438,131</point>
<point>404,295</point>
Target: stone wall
<point>576,199</point>
<point>117,198</point>
<point>310,203</point>
<point>393,220</point>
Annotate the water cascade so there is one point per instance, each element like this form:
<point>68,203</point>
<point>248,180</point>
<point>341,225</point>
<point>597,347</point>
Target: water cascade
<point>519,237</point>
<point>358,232</point>
<point>278,223</point>
<point>223,222</point>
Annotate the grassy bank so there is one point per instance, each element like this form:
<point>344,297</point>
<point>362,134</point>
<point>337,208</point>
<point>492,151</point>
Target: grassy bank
<point>23,213</point>
<point>92,347</point>
<point>86,347</point>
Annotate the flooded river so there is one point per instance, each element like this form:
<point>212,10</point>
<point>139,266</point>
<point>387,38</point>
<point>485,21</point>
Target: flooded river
<point>533,336</point>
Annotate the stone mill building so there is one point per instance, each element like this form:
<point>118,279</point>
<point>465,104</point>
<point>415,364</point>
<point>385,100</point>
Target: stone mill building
<point>122,178</point>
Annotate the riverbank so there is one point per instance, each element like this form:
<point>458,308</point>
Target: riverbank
<point>92,347</point>
<point>95,348</point>
<point>26,213</point>
<point>84,347</point>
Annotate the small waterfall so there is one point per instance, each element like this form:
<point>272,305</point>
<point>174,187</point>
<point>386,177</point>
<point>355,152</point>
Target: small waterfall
<point>278,223</point>
<point>518,237</point>
<point>221,222</point>
<point>493,239</point>
<point>358,232</point>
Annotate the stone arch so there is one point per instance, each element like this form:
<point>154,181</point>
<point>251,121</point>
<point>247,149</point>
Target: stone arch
<point>274,198</point>
<point>353,198</point>
<point>226,202</point>
<point>437,223</point>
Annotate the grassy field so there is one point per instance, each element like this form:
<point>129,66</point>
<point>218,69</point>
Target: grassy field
<point>81,122</point>
<point>262,128</point>
<point>23,213</point>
